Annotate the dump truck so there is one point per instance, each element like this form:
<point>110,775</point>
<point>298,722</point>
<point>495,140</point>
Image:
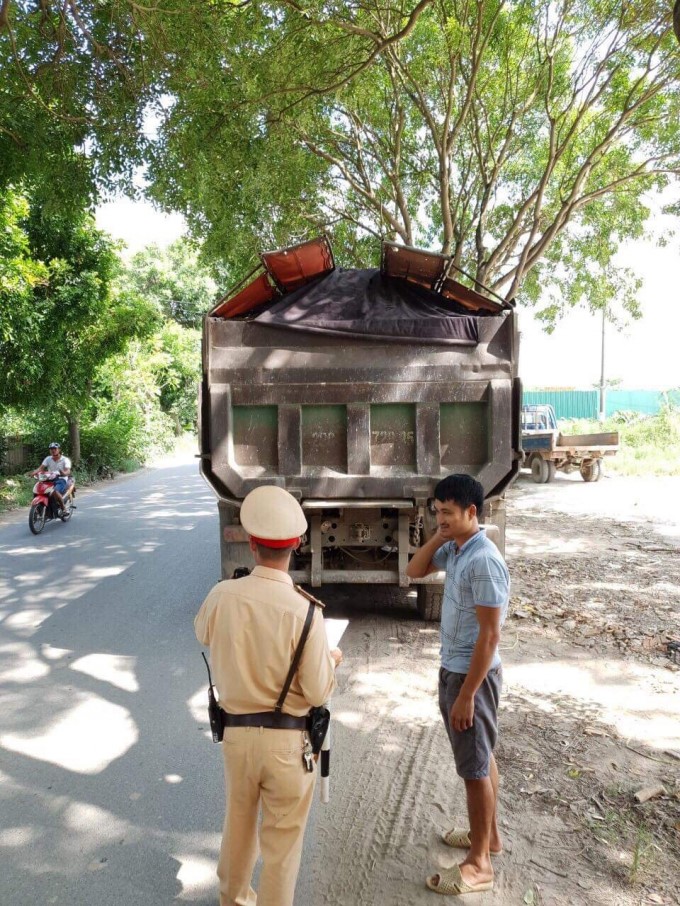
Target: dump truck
<point>357,390</point>
<point>547,449</point>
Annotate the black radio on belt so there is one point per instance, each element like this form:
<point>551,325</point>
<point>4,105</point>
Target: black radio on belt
<point>318,721</point>
<point>215,714</point>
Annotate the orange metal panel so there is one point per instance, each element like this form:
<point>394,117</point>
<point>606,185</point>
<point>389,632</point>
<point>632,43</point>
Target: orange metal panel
<point>424,268</point>
<point>452,289</point>
<point>254,294</point>
<point>295,266</point>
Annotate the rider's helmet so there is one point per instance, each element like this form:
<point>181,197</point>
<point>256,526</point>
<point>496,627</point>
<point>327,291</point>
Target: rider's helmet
<point>54,446</point>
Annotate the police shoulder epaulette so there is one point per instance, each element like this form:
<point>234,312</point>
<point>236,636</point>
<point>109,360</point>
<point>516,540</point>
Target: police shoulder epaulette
<point>306,594</point>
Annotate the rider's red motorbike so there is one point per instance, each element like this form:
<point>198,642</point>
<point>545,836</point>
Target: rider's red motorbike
<point>44,507</point>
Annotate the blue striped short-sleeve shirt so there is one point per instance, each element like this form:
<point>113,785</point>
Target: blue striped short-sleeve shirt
<point>476,576</point>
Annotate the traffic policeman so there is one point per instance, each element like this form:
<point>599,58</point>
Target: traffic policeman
<point>253,625</point>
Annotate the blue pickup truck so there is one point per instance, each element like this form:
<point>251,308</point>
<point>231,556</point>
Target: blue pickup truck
<point>546,449</point>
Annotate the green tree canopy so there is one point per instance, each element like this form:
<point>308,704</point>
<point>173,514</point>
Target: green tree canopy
<point>174,280</point>
<point>73,94</point>
<point>175,360</point>
<point>20,276</point>
<point>520,136</point>
<point>68,321</point>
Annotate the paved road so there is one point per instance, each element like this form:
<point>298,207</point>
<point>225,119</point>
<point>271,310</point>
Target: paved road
<point>110,792</point>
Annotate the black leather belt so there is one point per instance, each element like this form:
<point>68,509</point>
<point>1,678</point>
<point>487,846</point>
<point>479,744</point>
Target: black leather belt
<point>270,720</point>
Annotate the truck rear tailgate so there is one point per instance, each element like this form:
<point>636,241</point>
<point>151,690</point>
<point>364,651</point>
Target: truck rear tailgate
<point>329,417</point>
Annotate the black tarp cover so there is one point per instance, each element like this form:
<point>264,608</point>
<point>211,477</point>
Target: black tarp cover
<point>365,303</point>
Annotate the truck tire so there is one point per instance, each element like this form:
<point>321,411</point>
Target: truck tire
<point>552,471</point>
<point>539,470</point>
<point>430,602</point>
<point>591,470</point>
<point>234,555</point>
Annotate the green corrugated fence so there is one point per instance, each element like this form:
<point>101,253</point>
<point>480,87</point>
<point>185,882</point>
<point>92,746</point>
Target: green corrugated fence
<point>585,403</point>
<point>647,401</point>
<point>566,403</point>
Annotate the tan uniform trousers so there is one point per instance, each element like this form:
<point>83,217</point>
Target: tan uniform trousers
<point>263,768</point>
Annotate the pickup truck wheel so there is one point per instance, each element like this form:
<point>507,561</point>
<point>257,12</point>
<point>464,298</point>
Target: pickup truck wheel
<point>430,602</point>
<point>591,470</point>
<point>539,470</point>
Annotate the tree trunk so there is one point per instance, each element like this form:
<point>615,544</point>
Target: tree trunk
<point>74,439</point>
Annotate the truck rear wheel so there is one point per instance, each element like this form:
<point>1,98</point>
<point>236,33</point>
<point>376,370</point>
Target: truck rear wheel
<point>430,602</point>
<point>539,470</point>
<point>591,470</point>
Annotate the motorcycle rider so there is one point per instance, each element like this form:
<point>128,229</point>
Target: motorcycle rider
<point>56,462</point>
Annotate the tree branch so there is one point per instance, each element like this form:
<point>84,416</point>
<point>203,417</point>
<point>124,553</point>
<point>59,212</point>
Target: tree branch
<point>367,194</point>
<point>381,42</point>
<point>4,15</point>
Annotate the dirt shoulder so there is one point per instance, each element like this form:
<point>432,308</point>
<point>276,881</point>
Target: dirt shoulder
<point>593,688</point>
<point>589,718</point>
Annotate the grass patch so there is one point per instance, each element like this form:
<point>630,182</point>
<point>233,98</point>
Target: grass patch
<point>643,854</point>
<point>649,444</point>
<point>130,465</point>
<point>15,491</point>
<point>635,837</point>
<point>624,834</point>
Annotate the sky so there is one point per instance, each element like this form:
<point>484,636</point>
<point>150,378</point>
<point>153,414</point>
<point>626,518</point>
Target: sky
<point>644,355</point>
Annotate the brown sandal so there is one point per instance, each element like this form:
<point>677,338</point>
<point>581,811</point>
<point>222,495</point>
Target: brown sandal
<point>452,883</point>
<point>459,838</point>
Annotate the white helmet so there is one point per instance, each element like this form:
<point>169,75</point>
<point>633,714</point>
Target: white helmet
<point>273,517</point>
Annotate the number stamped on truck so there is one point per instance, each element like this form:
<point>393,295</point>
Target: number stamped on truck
<point>392,437</point>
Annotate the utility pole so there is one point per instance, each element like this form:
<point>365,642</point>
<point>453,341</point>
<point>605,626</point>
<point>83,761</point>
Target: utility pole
<point>603,390</point>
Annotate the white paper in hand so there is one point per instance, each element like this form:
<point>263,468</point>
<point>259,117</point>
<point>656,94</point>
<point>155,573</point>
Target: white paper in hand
<point>335,629</point>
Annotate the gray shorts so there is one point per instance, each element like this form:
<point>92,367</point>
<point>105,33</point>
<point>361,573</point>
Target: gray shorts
<point>472,748</point>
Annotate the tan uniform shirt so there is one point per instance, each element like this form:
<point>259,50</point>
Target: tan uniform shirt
<point>252,626</point>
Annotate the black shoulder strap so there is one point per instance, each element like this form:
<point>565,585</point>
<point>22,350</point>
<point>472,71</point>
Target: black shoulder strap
<point>296,657</point>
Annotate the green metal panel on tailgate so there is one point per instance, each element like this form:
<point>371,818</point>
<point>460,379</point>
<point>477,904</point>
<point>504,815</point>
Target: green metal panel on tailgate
<point>464,433</point>
<point>393,435</point>
<point>324,437</point>
<point>255,432</point>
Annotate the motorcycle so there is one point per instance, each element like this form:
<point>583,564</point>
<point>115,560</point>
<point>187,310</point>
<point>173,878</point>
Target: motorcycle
<point>44,507</point>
